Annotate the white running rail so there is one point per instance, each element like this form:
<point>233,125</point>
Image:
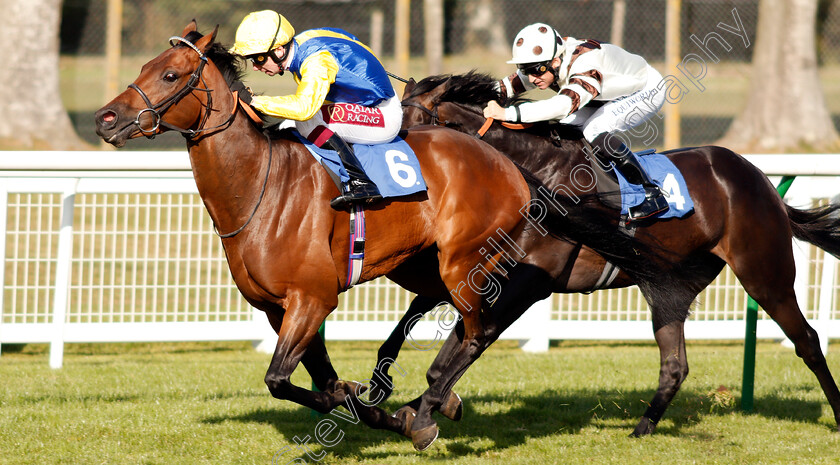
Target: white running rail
<point>116,246</point>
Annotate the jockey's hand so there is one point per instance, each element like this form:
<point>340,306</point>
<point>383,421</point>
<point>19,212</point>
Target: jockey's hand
<point>494,110</point>
<point>244,92</point>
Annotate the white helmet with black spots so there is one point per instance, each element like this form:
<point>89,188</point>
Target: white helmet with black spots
<point>536,43</point>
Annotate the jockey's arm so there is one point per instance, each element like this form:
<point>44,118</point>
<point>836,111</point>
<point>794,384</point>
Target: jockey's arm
<point>514,84</point>
<point>581,89</point>
<point>317,75</point>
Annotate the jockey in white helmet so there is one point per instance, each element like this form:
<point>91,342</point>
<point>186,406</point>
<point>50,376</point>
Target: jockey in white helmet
<point>601,88</point>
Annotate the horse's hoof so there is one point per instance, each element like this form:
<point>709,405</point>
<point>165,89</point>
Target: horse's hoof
<point>453,408</point>
<point>406,414</point>
<point>424,438</point>
<point>644,428</point>
<point>353,388</point>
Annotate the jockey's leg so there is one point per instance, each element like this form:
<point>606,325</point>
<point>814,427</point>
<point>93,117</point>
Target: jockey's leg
<point>610,148</point>
<point>339,125</point>
<point>621,115</point>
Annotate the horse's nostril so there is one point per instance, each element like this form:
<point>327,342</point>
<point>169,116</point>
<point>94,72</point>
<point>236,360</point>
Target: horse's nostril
<point>109,117</point>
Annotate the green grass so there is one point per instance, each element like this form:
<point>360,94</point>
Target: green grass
<point>196,403</point>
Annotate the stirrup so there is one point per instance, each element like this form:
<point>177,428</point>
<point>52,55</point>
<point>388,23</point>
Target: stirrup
<point>355,191</point>
<point>651,206</point>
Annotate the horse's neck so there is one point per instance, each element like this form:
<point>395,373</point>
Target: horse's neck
<point>533,152</point>
<point>538,154</point>
<point>230,167</point>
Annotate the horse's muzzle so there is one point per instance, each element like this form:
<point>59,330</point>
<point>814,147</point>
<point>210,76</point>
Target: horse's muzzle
<point>107,127</point>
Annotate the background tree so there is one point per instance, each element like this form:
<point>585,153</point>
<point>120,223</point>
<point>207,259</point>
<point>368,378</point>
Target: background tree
<point>786,107</point>
<point>32,115</point>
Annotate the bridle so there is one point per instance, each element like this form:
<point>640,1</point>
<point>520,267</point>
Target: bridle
<point>158,110</point>
<point>433,113</point>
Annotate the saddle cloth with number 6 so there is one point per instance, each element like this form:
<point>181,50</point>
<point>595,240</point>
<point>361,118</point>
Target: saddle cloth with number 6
<point>393,167</point>
<point>666,175</point>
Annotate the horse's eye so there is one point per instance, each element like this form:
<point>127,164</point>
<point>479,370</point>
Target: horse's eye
<point>170,77</point>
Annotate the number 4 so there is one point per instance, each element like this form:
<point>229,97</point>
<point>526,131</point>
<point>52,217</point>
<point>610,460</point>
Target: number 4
<point>672,188</point>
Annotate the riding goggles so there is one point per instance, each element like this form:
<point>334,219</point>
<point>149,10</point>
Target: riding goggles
<point>258,59</point>
<point>534,69</point>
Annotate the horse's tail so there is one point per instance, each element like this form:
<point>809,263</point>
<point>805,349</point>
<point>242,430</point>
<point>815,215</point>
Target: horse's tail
<point>819,226</point>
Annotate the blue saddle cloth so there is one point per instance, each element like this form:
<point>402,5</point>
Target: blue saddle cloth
<point>393,167</point>
<point>666,176</point>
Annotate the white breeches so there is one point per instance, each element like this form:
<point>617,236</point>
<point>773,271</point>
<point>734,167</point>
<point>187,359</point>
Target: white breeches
<point>357,124</point>
<point>621,114</point>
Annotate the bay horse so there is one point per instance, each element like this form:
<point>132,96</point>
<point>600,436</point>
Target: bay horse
<point>739,220</point>
<point>288,250</point>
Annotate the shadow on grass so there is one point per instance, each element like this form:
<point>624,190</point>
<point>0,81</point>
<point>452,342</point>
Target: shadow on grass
<point>521,418</point>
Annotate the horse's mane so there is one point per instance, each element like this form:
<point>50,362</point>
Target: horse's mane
<point>471,89</point>
<point>231,66</point>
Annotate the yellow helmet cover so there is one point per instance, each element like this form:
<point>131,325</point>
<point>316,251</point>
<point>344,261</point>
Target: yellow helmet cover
<point>260,30</point>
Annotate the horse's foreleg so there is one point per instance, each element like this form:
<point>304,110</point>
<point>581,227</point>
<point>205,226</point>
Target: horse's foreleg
<point>451,407</point>
<point>673,369</point>
<point>295,336</point>
<point>298,341</point>
<point>527,284</point>
<point>317,362</point>
<point>424,431</point>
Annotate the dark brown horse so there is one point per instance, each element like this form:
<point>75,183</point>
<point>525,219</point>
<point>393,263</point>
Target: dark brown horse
<point>287,249</point>
<point>739,220</point>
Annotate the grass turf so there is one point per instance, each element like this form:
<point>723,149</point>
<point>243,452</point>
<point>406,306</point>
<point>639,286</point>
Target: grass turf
<point>196,403</point>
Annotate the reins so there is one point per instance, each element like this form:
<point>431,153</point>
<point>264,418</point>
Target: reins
<point>259,199</point>
<point>481,131</point>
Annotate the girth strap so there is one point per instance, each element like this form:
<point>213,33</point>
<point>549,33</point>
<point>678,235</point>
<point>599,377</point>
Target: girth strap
<point>357,246</point>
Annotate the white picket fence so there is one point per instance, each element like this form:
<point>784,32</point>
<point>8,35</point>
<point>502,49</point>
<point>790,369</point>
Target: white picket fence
<point>117,247</point>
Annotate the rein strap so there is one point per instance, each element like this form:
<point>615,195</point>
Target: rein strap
<point>489,122</point>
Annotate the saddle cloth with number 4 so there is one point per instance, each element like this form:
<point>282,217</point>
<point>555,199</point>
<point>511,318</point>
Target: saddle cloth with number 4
<point>393,167</point>
<point>666,175</point>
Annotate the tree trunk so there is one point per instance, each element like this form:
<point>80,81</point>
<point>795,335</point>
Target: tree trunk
<point>485,28</point>
<point>786,108</point>
<point>32,115</point>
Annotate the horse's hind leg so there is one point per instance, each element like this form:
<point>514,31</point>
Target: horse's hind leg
<point>772,288</point>
<point>785,311</point>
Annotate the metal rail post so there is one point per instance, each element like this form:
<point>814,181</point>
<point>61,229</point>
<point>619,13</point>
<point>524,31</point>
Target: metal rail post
<point>4,201</point>
<point>62,277</point>
<point>322,333</point>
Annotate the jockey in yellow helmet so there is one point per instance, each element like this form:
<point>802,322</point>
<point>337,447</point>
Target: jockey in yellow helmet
<point>343,94</point>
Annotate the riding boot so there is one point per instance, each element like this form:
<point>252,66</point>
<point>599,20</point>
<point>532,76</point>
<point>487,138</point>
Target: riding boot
<point>359,188</point>
<point>612,149</point>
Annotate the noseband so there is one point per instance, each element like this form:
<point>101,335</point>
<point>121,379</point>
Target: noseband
<point>157,110</point>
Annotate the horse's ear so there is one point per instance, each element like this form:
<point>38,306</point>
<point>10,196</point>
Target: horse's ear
<point>192,26</point>
<point>409,86</point>
<point>205,42</point>
<point>435,93</point>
